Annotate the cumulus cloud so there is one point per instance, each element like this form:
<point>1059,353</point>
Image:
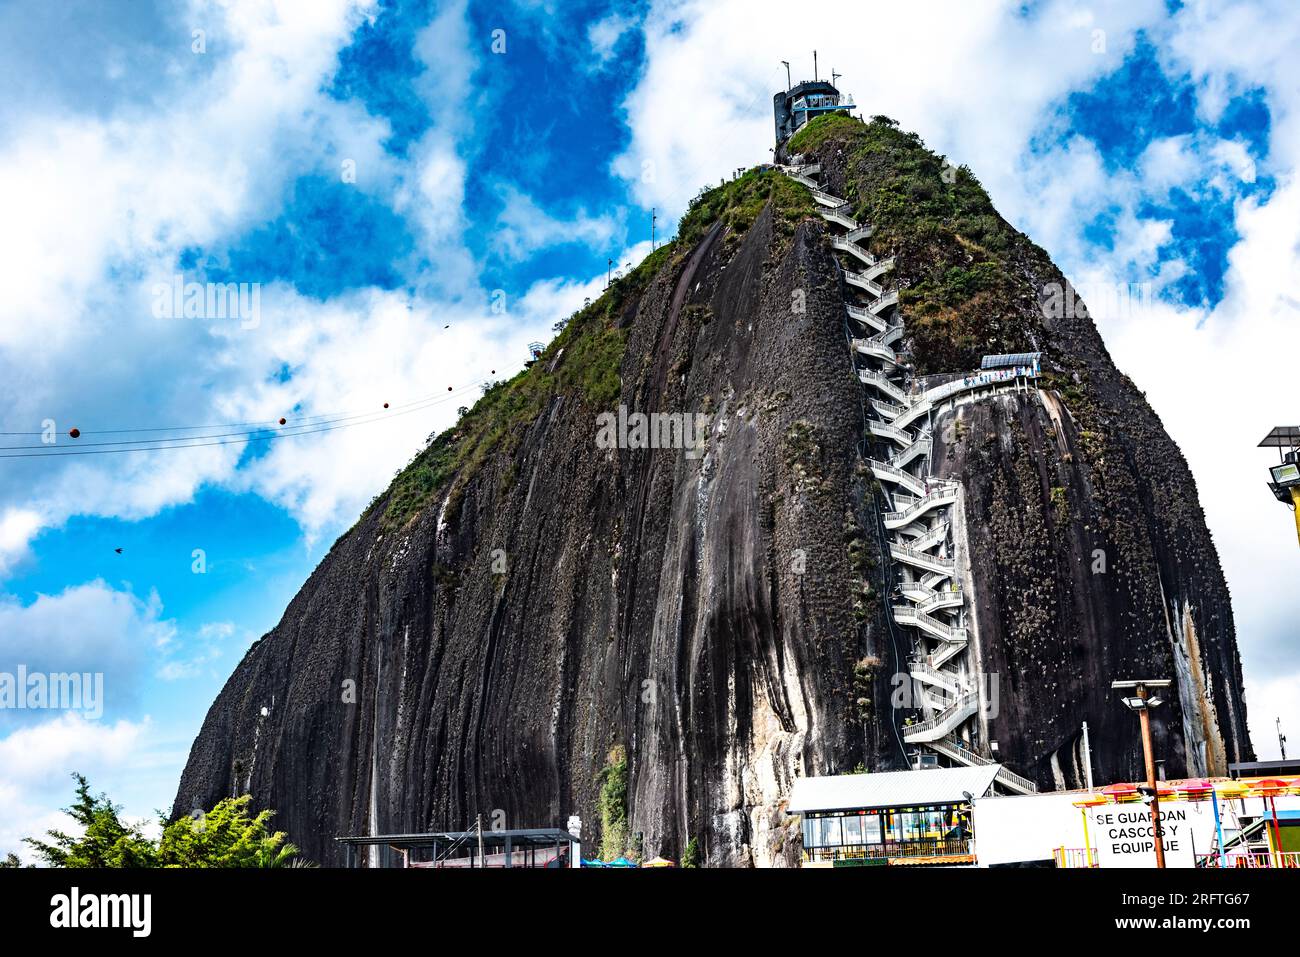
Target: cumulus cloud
<point>88,628</point>
<point>37,763</point>
<point>523,227</point>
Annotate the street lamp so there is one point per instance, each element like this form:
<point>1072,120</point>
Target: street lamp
<point>1142,701</point>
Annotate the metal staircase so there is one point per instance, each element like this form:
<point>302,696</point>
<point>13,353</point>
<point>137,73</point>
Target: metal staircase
<point>930,602</point>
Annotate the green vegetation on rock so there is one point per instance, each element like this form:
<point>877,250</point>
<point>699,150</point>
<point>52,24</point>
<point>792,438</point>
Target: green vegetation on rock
<point>585,359</point>
<point>611,803</point>
<point>960,291</point>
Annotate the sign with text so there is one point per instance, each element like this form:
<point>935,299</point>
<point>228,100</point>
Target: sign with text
<point>1122,833</point>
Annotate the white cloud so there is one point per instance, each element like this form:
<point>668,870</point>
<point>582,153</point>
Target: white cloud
<point>523,227</point>
<point>131,761</point>
<point>604,35</point>
<point>88,628</point>
<point>18,527</point>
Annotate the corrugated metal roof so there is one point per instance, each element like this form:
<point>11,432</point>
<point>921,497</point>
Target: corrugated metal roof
<point>1010,359</point>
<point>846,792</point>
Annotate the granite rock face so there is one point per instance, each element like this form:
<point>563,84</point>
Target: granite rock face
<point>481,645</point>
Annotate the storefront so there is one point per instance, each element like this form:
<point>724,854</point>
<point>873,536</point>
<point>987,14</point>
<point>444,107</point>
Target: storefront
<point>893,817</point>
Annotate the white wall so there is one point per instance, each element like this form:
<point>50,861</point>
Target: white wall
<point>1013,829</point>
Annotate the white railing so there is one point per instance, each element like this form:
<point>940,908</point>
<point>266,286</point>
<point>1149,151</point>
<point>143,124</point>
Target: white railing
<point>943,496</point>
<point>859,234</point>
<point>866,317</point>
<point>942,599</point>
<point>826,199</point>
<point>919,447</point>
<point>876,349</point>
<point>853,249</point>
<point>947,653</point>
<point>920,559</point>
<point>880,266</point>
<point>942,723</point>
<point>862,282</point>
<point>840,216</point>
<point>891,334</point>
<point>1015,781</point>
<point>976,380</point>
<point>908,615</point>
<point>889,410</point>
<point>885,431</point>
<point>872,378</point>
<point>924,673</point>
<point>888,299</point>
<point>888,473</point>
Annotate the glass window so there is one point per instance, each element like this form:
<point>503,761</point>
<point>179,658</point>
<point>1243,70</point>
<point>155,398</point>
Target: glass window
<point>853,829</point>
<point>871,829</point>
<point>810,832</point>
<point>830,831</point>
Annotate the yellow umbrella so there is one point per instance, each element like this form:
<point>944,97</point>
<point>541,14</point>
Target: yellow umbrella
<point>659,862</point>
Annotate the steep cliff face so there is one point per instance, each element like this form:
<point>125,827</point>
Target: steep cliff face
<point>526,605</point>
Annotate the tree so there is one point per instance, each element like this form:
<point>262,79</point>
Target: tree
<point>226,836</point>
<point>105,841</point>
<point>691,856</point>
<point>11,861</point>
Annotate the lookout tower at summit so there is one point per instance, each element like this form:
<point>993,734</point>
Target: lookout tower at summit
<point>806,101</point>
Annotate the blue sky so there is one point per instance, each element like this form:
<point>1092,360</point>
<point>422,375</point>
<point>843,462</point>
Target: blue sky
<point>384,170</point>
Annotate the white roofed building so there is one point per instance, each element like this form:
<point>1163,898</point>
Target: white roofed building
<point>891,817</point>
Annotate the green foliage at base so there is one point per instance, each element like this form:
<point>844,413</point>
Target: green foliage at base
<point>226,836</point>
<point>691,856</point>
<point>611,803</point>
<point>105,840</point>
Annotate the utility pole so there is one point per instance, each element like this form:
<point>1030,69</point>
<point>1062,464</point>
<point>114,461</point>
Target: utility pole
<point>1087,758</point>
<point>482,862</point>
<point>814,64</point>
<point>653,219</point>
<point>609,269</point>
<point>1281,739</point>
<point>835,76</point>
<point>786,64</point>
<point>1144,718</point>
<point>1142,702</point>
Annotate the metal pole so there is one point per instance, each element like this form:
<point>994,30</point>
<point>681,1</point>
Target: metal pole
<point>1277,833</point>
<point>482,861</point>
<point>1087,757</point>
<point>1144,717</point>
<point>1087,841</point>
<point>815,64</point>
<point>1218,827</point>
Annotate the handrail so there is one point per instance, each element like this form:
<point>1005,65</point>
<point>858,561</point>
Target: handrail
<point>920,504</point>
<point>966,702</point>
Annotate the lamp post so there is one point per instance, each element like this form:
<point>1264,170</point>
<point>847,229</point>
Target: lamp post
<point>1143,702</point>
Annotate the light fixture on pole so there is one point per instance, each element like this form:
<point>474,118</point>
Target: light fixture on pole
<point>1142,702</point>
